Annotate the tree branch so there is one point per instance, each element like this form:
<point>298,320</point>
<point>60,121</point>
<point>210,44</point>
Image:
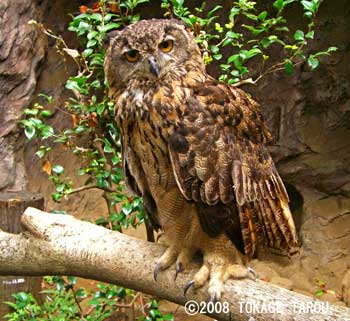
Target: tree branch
<point>62,245</point>
<point>87,187</point>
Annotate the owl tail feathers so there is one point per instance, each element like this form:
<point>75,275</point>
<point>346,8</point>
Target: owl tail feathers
<point>268,222</point>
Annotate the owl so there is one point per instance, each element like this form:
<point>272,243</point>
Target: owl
<point>195,150</point>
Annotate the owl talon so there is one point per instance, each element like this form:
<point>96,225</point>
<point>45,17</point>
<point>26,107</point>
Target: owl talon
<point>213,297</point>
<point>188,285</point>
<point>178,270</point>
<point>156,271</point>
<point>252,273</point>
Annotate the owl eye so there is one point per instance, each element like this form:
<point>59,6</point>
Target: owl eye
<point>166,45</point>
<point>132,55</point>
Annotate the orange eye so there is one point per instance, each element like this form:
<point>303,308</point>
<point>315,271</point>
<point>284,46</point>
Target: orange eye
<point>166,45</point>
<point>132,55</point>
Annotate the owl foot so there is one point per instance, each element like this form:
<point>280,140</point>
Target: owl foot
<point>167,259</point>
<point>218,274</point>
<point>171,255</point>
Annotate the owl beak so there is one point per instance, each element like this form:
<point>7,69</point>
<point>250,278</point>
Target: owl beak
<point>153,66</point>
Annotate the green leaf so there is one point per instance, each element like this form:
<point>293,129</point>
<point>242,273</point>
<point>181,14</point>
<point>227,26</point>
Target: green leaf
<point>121,292</point>
<point>310,5</point>
<point>233,35</point>
<point>117,217</point>
<point>313,62</point>
<point>310,34</point>
<point>91,43</point>
<point>60,188</point>
<point>251,16</point>
<point>94,301</point>
<point>108,149</point>
<point>46,113</point>
<point>82,28</point>
<point>262,16</point>
<point>232,81</point>
<point>96,17</point>
<point>319,293</point>
<point>48,98</point>
<point>79,129</point>
<point>127,208</point>
<point>308,14</point>
<point>92,34</point>
<point>97,59</point>
<point>254,30</point>
<point>332,49</point>
<point>108,27</point>
<point>278,4</point>
<point>253,52</point>
<point>29,132</point>
<point>58,169</point>
<point>102,183</point>
<point>31,112</point>
<point>96,84</point>
<point>46,132</point>
<point>87,52</point>
<point>73,84</point>
<point>283,28</point>
<point>100,109</point>
<point>61,139</point>
<point>231,59</point>
<point>35,122</point>
<point>299,35</point>
<point>72,280</point>
<point>289,67</point>
<point>211,12</point>
<point>21,296</point>
<point>40,153</point>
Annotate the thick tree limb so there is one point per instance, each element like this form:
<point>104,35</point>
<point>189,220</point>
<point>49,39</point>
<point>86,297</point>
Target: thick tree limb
<point>62,245</point>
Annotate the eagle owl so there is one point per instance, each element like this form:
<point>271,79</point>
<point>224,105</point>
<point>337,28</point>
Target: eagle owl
<point>195,150</point>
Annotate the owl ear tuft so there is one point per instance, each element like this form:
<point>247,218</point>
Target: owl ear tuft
<point>109,36</point>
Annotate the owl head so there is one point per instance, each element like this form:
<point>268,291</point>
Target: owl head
<point>150,51</point>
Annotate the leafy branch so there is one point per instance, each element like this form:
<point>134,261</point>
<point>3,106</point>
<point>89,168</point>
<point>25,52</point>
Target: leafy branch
<point>249,33</point>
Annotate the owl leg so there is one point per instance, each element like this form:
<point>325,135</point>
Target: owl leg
<point>221,261</point>
<point>176,228</point>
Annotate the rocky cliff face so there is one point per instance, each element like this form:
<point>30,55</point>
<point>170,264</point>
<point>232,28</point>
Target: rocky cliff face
<point>309,115</point>
<point>22,49</point>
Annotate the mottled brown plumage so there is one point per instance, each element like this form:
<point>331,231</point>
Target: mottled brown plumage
<point>195,150</point>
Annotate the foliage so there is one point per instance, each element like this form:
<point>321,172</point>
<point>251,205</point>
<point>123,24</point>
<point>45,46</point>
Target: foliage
<point>65,301</point>
<point>242,45</point>
<point>93,136</point>
<point>250,31</point>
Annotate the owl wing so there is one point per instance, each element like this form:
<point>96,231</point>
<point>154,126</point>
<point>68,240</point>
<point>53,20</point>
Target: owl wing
<point>219,157</point>
<point>136,181</point>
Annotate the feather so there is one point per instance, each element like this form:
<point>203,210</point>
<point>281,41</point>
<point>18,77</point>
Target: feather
<point>226,161</point>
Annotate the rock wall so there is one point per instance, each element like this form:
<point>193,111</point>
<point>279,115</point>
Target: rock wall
<point>22,49</point>
<point>307,113</point>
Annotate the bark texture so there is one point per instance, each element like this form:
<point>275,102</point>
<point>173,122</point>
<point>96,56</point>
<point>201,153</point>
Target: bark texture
<point>60,244</point>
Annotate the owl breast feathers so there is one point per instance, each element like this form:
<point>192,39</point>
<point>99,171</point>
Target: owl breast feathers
<point>182,129</point>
